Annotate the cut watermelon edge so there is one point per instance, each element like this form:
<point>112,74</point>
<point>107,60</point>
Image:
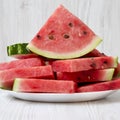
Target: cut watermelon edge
<point>116,61</point>
<point>109,73</point>
<point>95,42</point>
<point>3,87</point>
<point>16,84</point>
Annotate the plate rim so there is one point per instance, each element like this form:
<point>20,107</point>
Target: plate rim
<point>77,93</point>
<point>60,97</point>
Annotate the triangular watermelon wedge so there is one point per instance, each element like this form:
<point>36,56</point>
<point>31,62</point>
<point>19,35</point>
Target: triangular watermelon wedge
<point>64,36</point>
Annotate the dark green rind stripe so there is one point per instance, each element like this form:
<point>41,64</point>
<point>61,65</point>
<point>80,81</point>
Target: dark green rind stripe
<point>16,49</point>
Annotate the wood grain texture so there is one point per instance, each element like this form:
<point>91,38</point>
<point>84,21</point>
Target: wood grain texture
<point>19,22</point>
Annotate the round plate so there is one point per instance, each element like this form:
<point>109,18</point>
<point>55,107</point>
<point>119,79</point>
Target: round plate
<point>55,97</point>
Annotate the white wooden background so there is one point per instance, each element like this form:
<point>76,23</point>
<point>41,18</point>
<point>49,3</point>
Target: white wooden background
<point>19,22</point>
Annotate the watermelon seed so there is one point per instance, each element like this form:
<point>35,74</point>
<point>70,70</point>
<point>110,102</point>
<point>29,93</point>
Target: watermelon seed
<point>105,62</point>
<point>70,24</point>
<point>103,54</point>
<point>51,37</point>
<point>84,32</point>
<point>66,36</point>
<point>93,65</point>
<point>38,36</point>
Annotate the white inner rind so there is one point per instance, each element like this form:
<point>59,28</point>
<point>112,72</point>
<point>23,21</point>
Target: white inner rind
<point>109,74</point>
<point>16,84</point>
<point>96,40</point>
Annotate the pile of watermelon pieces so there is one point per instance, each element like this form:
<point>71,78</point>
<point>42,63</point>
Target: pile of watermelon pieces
<point>61,58</point>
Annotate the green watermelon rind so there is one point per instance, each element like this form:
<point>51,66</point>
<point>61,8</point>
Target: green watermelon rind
<point>95,41</point>
<point>17,49</point>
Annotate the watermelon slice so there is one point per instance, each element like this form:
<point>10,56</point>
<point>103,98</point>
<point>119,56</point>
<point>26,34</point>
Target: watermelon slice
<point>31,62</point>
<point>7,76</point>
<point>96,53</point>
<point>82,64</point>
<point>64,36</point>
<point>87,76</point>
<point>109,85</point>
<point>43,85</point>
<point>19,51</point>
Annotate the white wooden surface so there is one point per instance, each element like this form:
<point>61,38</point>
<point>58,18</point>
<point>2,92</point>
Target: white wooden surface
<point>19,22</point>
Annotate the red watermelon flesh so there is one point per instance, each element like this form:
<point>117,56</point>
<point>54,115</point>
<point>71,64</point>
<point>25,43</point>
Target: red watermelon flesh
<point>97,53</point>
<point>43,85</point>
<point>25,56</point>
<point>7,76</point>
<point>94,53</point>
<point>82,64</point>
<point>87,76</point>
<point>31,62</point>
<point>102,86</point>
<point>64,36</point>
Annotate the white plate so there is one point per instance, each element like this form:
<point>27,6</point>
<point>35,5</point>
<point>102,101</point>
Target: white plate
<point>50,97</point>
